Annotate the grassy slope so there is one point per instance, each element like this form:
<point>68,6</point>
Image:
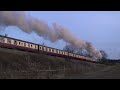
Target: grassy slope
<point>16,64</point>
<point>109,72</point>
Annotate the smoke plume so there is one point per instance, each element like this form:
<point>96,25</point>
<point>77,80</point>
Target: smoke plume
<point>29,24</point>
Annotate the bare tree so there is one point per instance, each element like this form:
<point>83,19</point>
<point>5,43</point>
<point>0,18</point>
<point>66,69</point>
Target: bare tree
<point>81,51</point>
<point>104,54</point>
<point>69,48</point>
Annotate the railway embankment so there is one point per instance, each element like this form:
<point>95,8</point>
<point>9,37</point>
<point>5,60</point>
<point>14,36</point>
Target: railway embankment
<point>15,64</point>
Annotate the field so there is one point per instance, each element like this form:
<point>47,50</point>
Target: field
<point>16,64</point>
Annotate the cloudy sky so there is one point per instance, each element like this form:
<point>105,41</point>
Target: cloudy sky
<point>102,28</point>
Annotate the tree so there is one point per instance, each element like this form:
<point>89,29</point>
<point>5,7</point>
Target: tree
<point>104,54</point>
<point>72,49</point>
<point>69,48</point>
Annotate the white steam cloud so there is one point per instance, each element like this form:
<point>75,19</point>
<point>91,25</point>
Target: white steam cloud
<point>29,24</point>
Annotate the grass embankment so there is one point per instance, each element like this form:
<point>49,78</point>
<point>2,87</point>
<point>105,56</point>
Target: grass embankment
<point>16,64</point>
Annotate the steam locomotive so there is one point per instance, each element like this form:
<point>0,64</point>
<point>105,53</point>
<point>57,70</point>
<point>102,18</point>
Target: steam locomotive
<point>12,43</point>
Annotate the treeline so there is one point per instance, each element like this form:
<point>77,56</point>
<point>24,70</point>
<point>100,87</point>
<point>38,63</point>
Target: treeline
<point>109,61</point>
<point>83,52</point>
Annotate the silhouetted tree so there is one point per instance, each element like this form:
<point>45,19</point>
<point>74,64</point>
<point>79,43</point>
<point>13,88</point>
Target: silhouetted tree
<point>104,54</point>
<point>72,49</point>
<point>69,48</point>
<point>79,51</point>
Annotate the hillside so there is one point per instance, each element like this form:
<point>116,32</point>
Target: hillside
<point>16,64</point>
<point>110,72</point>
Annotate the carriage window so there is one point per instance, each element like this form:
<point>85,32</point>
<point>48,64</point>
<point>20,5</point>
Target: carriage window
<point>31,45</point>
<point>44,48</point>
<point>9,41</point>
<point>24,44</point>
<point>51,50</point>
<point>54,50</point>
<point>58,51</point>
<point>65,53</point>
<point>28,45</point>
<point>19,43</point>
<point>15,42</point>
<point>74,55</point>
<point>36,46</point>
<point>40,47</point>
<point>48,49</point>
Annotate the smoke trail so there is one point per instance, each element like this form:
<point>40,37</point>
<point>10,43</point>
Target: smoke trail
<point>29,24</point>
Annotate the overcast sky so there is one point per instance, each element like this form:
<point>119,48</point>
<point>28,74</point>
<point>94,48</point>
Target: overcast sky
<point>102,28</point>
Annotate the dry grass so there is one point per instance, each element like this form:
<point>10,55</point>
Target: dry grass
<point>16,64</point>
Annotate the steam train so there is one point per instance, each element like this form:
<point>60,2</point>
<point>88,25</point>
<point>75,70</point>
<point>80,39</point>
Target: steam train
<point>12,43</point>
